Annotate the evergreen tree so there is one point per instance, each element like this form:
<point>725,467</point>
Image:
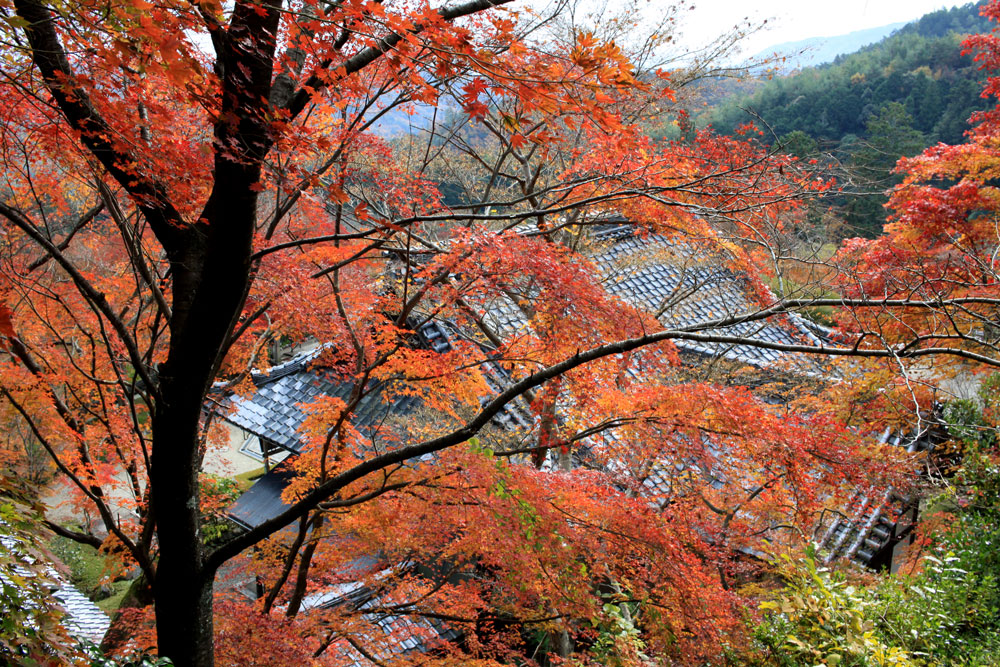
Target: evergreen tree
<point>890,135</point>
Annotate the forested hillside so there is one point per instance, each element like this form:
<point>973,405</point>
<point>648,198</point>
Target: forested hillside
<point>866,109</point>
<point>921,66</point>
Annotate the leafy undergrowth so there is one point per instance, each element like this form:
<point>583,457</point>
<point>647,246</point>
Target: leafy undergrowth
<point>942,609</point>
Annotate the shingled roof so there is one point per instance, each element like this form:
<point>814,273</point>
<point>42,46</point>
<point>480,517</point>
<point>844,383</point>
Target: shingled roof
<point>83,619</point>
<point>275,411</point>
<point>685,286</point>
<point>392,633</point>
<point>684,289</point>
<point>395,636</point>
<point>870,525</point>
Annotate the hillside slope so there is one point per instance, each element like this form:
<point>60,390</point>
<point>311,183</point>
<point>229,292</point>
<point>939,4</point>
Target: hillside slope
<point>865,110</point>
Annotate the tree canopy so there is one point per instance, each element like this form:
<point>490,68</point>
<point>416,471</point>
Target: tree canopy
<point>188,186</point>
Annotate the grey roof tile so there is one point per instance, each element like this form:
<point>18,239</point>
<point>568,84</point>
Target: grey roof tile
<point>84,619</point>
<point>275,411</point>
<point>393,635</point>
<point>672,279</point>
<point>687,287</point>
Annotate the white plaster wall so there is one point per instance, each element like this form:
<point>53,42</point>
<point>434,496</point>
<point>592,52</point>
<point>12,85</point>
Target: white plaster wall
<point>227,460</point>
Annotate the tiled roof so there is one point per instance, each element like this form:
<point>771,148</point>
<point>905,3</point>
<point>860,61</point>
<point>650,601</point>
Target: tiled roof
<point>871,524</point>
<point>352,591</point>
<point>685,288</point>
<point>262,501</point>
<point>275,411</point>
<point>653,479</point>
<point>504,317</point>
<point>390,634</point>
<point>866,526</point>
<point>396,635</point>
<point>84,619</point>
<point>438,336</point>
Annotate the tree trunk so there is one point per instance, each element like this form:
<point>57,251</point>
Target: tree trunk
<point>563,644</point>
<point>184,615</point>
<point>182,588</point>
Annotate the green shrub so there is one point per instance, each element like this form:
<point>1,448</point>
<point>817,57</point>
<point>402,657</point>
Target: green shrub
<point>819,618</point>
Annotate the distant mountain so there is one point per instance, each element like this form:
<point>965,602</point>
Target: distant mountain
<point>819,50</point>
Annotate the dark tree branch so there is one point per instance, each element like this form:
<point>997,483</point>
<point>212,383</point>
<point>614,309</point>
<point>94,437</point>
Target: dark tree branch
<point>82,538</point>
<point>95,298</point>
<point>318,81</point>
<point>62,245</point>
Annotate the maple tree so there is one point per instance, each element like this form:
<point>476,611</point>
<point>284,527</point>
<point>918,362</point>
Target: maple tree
<point>937,260</point>
<point>171,207</point>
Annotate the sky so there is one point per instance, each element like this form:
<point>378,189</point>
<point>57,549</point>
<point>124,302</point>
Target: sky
<point>792,20</point>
